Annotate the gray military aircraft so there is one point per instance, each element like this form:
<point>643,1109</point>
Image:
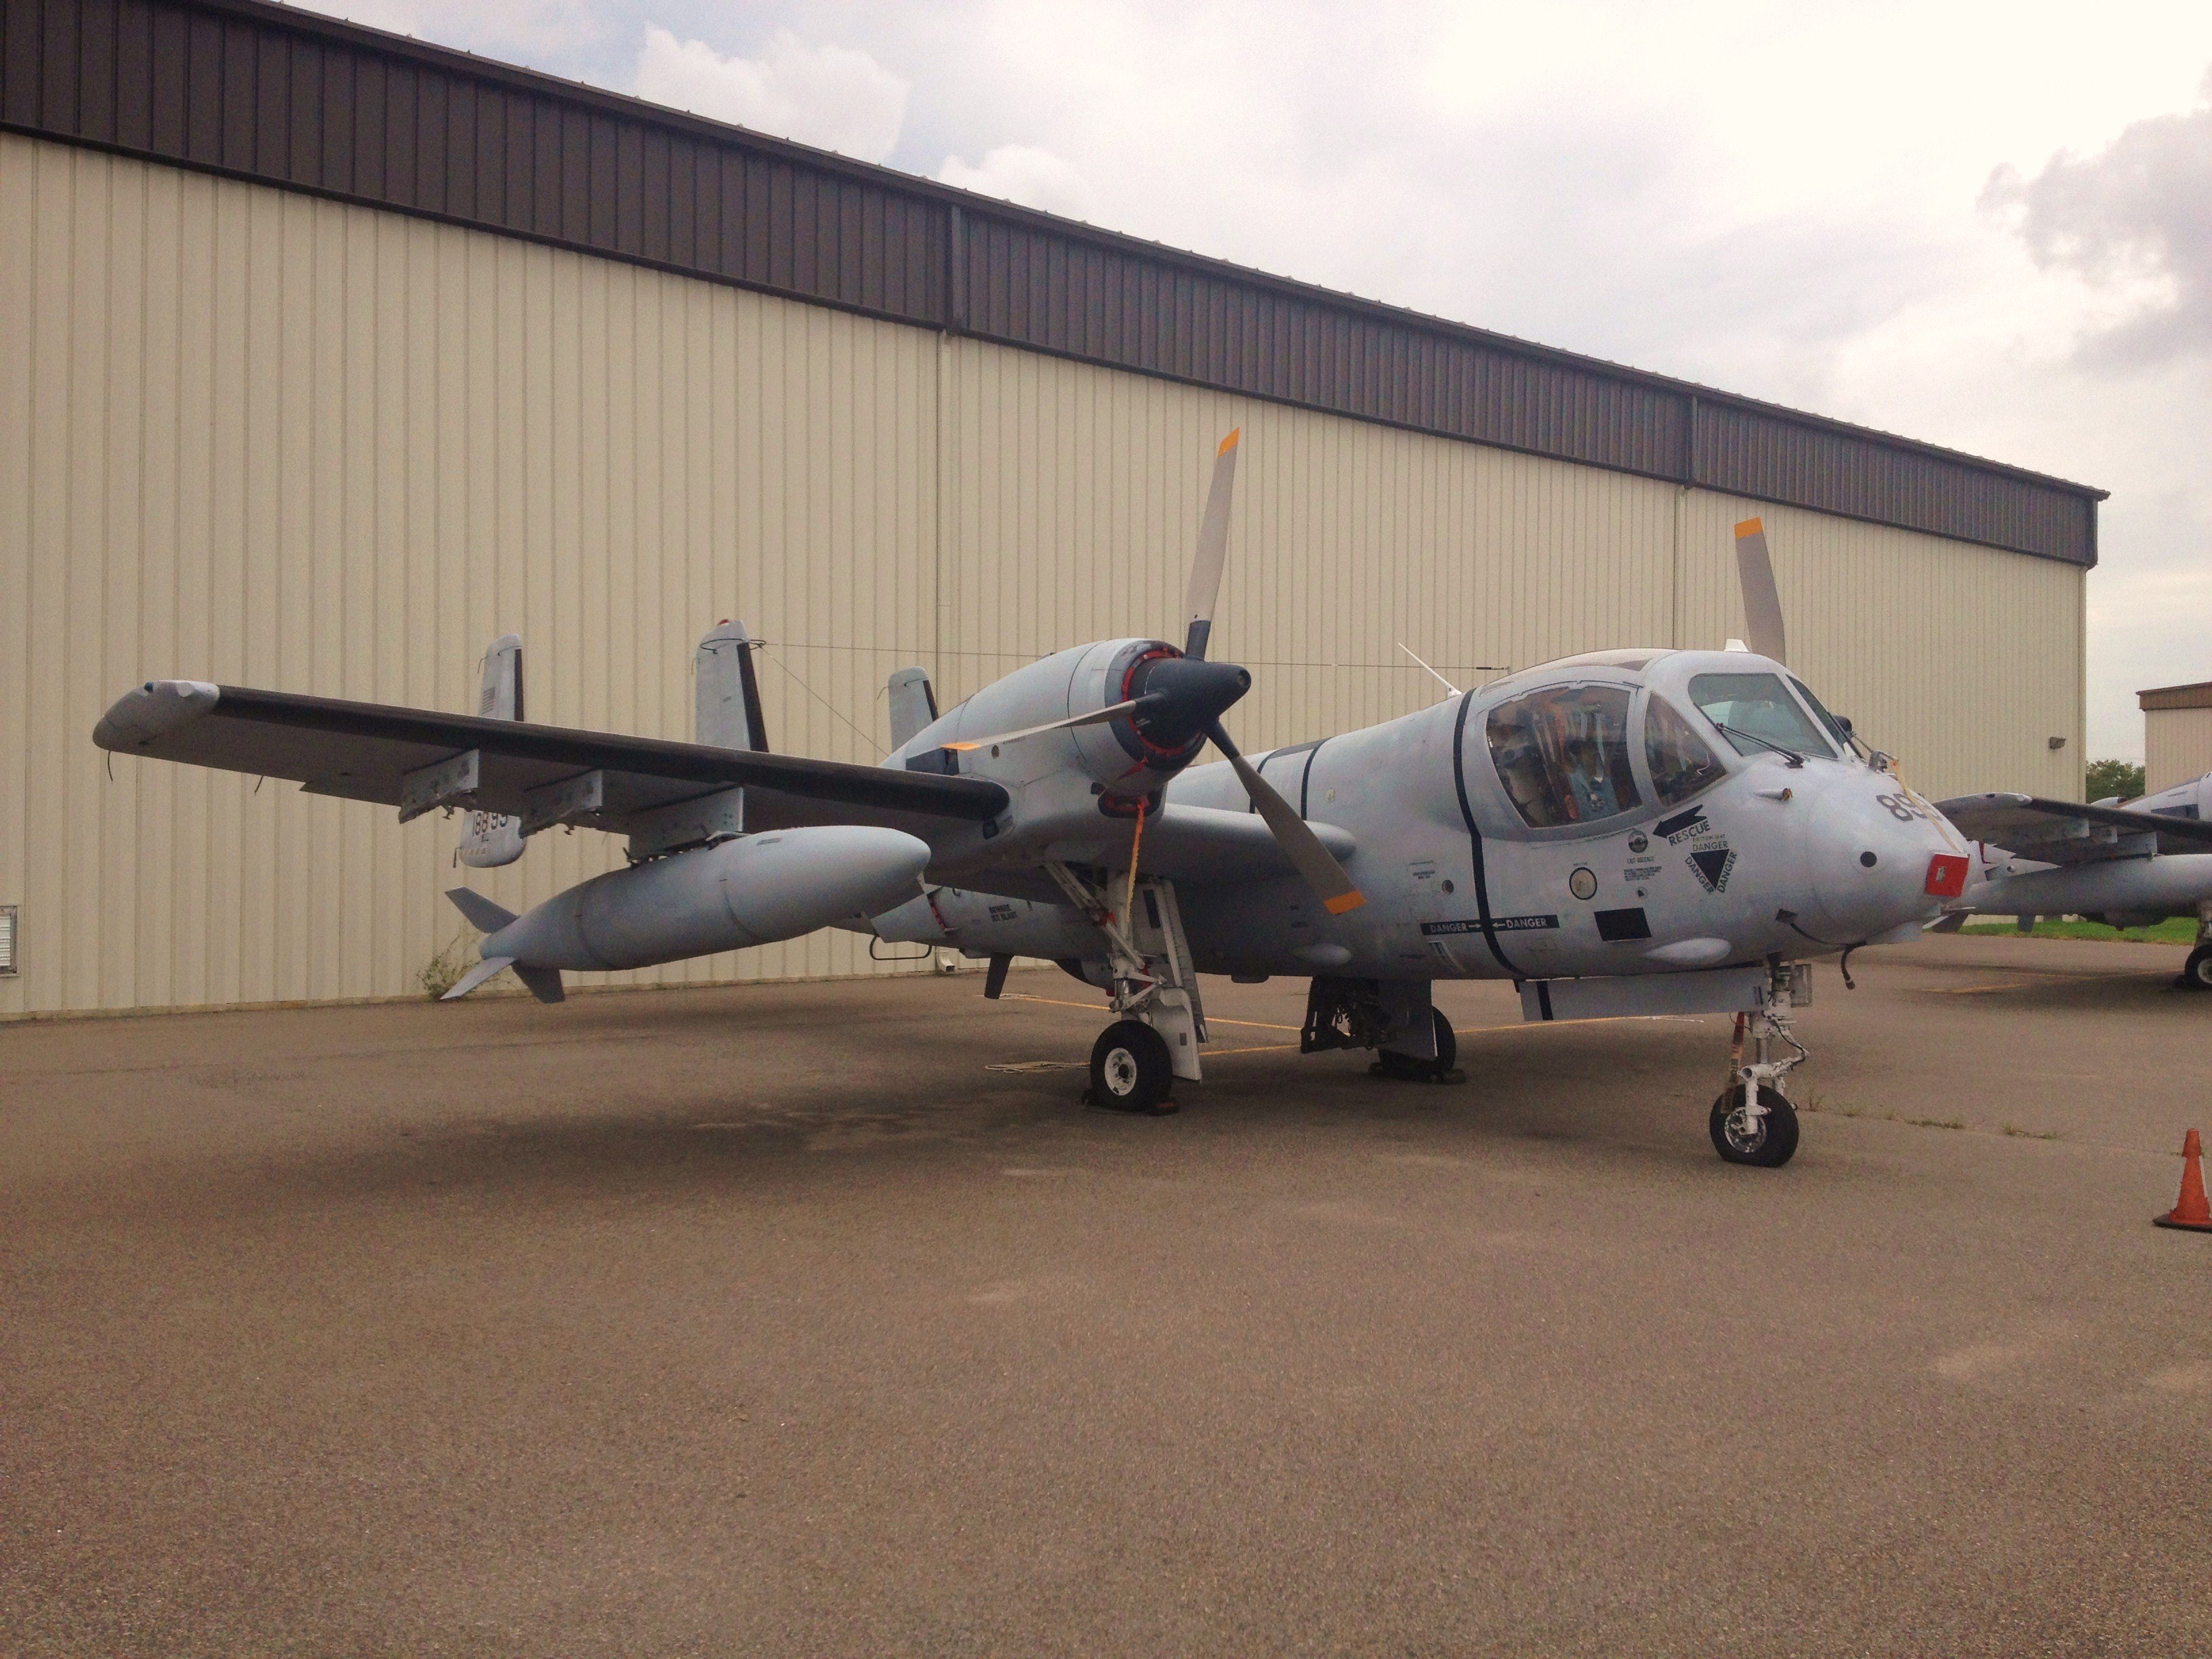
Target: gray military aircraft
<point>2130,865</point>
<point>1641,831</point>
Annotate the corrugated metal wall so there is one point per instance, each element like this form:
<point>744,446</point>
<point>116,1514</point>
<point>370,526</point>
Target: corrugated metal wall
<point>270,94</point>
<point>253,435</point>
<point>2177,746</point>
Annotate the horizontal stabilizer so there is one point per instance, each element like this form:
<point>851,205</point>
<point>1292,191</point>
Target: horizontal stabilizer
<point>482,914</point>
<point>544,983</point>
<point>488,968</point>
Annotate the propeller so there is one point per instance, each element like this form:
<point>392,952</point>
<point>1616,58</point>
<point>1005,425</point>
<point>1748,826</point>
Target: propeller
<point>1337,890</point>
<point>1762,605</point>
<point>1179,699</point>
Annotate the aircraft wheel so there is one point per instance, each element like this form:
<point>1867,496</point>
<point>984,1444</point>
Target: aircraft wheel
<point>1447,1044</point>
<point>2197,972</point>
<point>1130,1070</point>
<point>1766,1142</point>
<point>1407,1068</point>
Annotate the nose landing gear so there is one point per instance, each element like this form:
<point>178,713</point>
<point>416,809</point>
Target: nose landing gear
<point>1753,1121</point>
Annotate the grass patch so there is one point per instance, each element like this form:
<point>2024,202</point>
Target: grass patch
<point>443,971</point>
<point>2034,1134</point>
<point>1930,1123</point>
<point>2174,930</point>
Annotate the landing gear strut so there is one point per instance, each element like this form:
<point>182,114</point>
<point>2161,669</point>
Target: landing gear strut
<point>1160,1022</point>
<point>1753,1121</point>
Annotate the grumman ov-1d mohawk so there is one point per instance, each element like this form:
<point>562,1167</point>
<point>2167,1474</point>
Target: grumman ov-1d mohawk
<point>1627,832</point>
<point>2130,865</point>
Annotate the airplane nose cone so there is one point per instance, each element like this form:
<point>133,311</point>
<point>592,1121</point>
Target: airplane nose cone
<point>1870,853</point>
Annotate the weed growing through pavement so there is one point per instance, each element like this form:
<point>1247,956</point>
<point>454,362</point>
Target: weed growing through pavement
<point>443,971</point>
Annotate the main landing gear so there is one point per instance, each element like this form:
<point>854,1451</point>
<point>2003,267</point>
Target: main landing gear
<point>1160,1022</point>
<point>1411,1039</point>
<point>1753,1121</point>
<point>2197,972</point>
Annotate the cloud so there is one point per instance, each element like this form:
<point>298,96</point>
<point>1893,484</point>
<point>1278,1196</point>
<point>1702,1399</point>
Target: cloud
<point>1022,172</point>
<point>2131,222</point>
<point>832,97</point>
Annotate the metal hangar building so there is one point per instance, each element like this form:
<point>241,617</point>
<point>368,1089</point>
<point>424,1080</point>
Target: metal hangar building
<point>327,357</point>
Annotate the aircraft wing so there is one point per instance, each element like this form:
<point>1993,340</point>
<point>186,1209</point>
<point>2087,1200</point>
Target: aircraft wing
<point>1202,846</point>
<point>2066,832</point>
<point>374,752</point>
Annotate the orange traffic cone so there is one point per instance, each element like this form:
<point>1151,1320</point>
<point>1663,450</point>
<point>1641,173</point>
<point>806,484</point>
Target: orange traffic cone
<point>2189,1211</point>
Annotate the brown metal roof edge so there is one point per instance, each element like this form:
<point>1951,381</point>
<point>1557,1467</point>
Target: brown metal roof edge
<point>2197,695</point>
<point>635,108</point>
<point>961,204</point>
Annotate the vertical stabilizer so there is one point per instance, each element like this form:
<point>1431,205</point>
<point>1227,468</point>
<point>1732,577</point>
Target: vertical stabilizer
<point>490,840</point>
<point>729,708</point>
<point>914,705</point>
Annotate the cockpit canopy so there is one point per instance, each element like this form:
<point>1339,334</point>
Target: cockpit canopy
<point>1565,753</point>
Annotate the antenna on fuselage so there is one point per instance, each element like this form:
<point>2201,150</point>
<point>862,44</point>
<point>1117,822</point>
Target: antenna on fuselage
<point>1439,678</point>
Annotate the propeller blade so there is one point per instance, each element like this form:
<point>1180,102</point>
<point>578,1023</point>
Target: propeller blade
<point>1213,548</point>
<point>1338,891</point>
<point>1762,605</point>
<point>1097,717</point>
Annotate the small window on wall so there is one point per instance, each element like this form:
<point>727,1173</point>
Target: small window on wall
<point>1563,754</point>
<point>7,939</point>
<point>1681,765</point>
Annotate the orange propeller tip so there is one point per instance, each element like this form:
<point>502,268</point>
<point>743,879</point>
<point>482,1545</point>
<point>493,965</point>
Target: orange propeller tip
<point>1343,901</point>
<point>1230,442</point>
<point>1751,528</point>
<point>962,747</point>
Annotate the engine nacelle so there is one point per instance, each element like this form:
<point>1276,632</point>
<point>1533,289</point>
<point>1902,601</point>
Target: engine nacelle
<point>1118,755</point>
<point>752,890</point>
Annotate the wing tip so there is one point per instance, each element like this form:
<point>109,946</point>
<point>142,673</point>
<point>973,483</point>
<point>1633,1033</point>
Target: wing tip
<point>154,710</point>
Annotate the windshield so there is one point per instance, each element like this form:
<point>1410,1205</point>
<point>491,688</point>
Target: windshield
<point>1756,715</point>
<point>1563,754</point>
<point>1835,727</point>
<point>1680,763</point>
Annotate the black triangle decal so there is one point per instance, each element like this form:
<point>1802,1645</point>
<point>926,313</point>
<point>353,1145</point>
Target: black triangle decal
<point>1712,866</point>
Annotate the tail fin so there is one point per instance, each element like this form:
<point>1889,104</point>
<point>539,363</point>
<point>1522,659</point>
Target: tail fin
<point>488,968</point>
<point>728,712</point>
<point>490,840</point>
<point>544,983</point>
<point>481,913</point>
<point>914,705</point>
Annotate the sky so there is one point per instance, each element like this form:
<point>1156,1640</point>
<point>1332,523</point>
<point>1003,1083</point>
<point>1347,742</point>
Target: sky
<point>1988,227</point>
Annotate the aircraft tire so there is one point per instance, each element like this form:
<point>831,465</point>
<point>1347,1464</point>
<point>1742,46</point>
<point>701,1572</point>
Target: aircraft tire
<point>1777,1141</point>
<point>1130,1070</point>
<point>1407,1069</point>
<point>1446,1044</point>
<point>2197,972</point>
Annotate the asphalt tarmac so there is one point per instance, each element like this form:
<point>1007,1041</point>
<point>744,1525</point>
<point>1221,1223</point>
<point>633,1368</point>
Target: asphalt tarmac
<point>822,1319</point>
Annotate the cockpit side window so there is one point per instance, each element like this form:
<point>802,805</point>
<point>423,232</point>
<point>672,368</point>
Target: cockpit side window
<point>1755,715</point>
<point>1563,754</point>
<point>1681,764</point>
